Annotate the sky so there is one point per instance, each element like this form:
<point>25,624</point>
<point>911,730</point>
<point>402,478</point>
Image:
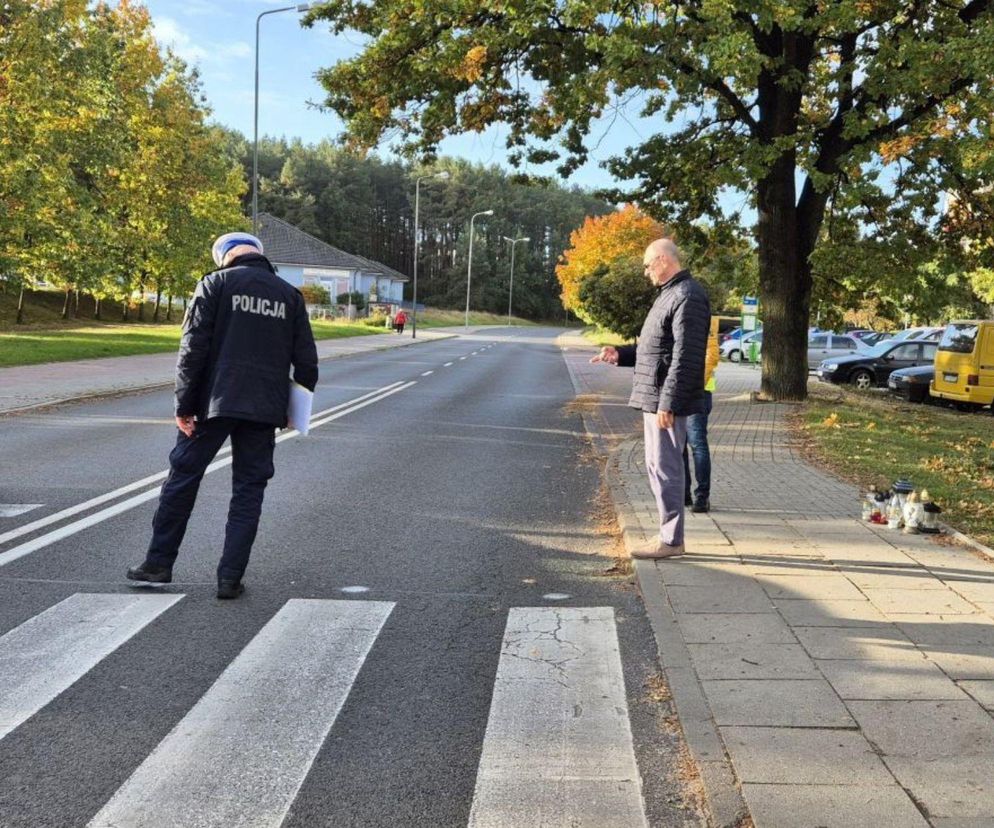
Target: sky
<point>218,36</point>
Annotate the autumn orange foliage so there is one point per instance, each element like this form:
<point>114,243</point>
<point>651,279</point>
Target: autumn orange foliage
<point>600,241</point>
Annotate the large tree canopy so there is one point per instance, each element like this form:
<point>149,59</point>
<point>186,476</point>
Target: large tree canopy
<point>805,106</point>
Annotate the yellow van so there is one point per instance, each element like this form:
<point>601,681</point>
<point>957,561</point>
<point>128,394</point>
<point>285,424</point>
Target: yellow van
<point>964,363</point>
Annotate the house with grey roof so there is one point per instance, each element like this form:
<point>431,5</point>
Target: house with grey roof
<point>302,259</point>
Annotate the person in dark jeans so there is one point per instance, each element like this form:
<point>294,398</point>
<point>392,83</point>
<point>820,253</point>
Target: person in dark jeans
<point>699,500</point>
<point>243,331</point>
<point>697,434</point>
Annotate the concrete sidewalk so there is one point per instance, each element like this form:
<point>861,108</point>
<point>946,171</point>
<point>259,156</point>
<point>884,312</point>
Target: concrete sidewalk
<point>833,673</point>
<point>25,387</point>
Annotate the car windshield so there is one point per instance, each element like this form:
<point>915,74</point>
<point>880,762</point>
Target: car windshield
<point>960,337</point>
<point>879,349</point>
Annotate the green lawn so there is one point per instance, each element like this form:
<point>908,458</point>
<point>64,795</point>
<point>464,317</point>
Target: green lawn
<point>33,346</point>
<point>434,318</point>
<point>870,438</point>
<point>600,337</point>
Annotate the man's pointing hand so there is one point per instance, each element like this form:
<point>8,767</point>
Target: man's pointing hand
<point>608,354</point>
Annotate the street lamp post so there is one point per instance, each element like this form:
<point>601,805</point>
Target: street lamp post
<point>469,267</point>
<point>302,7</point>
<point>510,292</point>
<point>417,241</point>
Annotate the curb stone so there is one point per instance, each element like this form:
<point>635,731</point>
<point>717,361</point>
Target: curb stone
<point>723,799</point>
<point>724,803</point>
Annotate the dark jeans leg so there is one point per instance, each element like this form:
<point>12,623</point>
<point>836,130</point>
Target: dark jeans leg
<point>252,466</point>
<point>188,461</point>
<point>697,444</point>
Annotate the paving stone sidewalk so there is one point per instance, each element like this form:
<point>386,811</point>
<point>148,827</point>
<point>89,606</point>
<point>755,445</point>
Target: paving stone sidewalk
<point>30,386</point>
<point>844,674</point>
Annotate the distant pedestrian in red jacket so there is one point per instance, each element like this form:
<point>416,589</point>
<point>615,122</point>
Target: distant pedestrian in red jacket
<point>399,320</point>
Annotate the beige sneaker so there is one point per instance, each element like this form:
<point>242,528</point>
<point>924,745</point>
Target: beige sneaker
<point>658,549</point>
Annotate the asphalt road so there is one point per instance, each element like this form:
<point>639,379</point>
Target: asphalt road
<point>453,502</point>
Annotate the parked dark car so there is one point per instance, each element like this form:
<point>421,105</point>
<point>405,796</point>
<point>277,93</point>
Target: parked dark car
<point>912,383</point>
<point>874,366</point>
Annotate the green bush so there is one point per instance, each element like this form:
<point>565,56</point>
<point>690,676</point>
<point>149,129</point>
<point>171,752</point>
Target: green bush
<point>618,296</point>
<point>316,295</point>
<point>358,299</point>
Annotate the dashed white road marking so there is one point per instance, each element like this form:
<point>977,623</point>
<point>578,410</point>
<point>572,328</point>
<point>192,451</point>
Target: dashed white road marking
<point>447,365</point>
<point>427,373</point>
<point>9,510</point>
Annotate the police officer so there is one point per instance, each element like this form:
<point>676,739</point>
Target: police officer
<point>243,330</point>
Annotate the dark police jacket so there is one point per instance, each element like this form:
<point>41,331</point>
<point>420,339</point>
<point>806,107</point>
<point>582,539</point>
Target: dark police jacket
<point>243,330</point>
<point>669,357</point>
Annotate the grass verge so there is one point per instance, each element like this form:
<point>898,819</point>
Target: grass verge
<point>34,346</point>
<point>872,438</point>
<point>436,318</point>
<point>601,337</point>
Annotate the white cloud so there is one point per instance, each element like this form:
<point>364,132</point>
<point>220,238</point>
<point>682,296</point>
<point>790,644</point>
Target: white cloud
<point>170,34</point>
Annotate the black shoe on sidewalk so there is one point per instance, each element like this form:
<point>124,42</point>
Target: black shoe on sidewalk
<point>701,505</point>
<point>229,589</point>
<point>688,500</point>
<point>151,574</point>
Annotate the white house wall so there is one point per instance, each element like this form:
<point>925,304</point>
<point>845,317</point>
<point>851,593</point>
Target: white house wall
<point>294,274</point>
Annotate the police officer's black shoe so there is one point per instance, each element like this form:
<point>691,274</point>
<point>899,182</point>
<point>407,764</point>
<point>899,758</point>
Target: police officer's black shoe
<point>688,500</point>
<point>229,589</point>
<point>702,504</point>
<point>151,573</point>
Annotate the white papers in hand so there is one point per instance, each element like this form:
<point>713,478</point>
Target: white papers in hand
<point>298,412</point>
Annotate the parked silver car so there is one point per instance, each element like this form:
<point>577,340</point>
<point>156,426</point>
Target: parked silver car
<point>823,345</point>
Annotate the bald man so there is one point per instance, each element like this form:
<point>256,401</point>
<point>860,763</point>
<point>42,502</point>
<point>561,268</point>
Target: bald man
<point>668,384</point>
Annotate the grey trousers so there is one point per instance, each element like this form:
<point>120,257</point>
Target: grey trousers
<point>664,464</point>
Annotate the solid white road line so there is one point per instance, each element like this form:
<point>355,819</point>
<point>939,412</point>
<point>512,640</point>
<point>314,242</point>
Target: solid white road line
<point>98,517</point>
<point>51,651</point>
<point>48,520</point>
<point>558,746</point>
<point>239,757</point>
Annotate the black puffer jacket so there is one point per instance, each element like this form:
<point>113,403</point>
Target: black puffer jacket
<point>669,359</point>
<point>243,330</point>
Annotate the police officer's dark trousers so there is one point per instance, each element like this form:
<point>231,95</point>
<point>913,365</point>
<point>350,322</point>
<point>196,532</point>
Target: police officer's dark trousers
<point>252,466</point>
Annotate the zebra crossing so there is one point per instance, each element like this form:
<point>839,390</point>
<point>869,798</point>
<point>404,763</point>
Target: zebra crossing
<point>557,750</point>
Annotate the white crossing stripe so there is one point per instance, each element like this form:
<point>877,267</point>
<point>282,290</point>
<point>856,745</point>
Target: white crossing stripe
<point>14,509</point>
<point>239,757</point>
<point>558,746</point>
<point>49,653</point>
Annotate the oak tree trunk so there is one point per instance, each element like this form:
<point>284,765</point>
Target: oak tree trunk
<point>784,287</point>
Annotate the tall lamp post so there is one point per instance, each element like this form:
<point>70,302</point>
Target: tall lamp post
<point>510,292</point>
<point>469,267</point>
<point>302,7</point>
<point>440,176</point>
